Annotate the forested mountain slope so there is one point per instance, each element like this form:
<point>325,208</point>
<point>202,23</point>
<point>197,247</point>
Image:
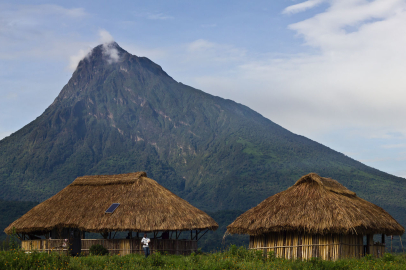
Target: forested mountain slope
<point>126,115</point>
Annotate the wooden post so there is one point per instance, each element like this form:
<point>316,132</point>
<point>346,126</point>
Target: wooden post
<point>265,245</point>
<point>391,238</point>
<point>368,251</point>
<point>48,242</point>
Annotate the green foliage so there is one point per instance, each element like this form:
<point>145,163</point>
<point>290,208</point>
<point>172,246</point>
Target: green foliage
<point>156,259</point>
<point>11,242</point>
<point>245,254</point>
<point>17,259</point>
<point>98,249</point>
<point>368,257</point>
<point>233,258</point>
<point>213,241</point>
<point>388,257</point>
<point>14,243</point>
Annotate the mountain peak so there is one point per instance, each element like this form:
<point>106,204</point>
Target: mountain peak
<point>106,52</point>
<point>99,68</point>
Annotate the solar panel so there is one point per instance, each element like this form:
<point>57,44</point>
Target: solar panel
<point>112,208</point>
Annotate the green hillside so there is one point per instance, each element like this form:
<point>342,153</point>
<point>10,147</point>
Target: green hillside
<point>10,211</point>
<point>131,116</point>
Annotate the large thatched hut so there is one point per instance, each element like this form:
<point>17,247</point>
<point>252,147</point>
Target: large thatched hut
<point>108,204</point>
<point>316,217</point>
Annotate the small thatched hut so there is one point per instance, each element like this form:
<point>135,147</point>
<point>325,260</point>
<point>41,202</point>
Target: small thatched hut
<point>142,205</point>
<point>316,217</point>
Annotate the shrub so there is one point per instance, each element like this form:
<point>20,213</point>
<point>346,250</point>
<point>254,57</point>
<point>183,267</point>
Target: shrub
<point>156,260</point>
<point>388,257</point>
<point>98,250</point>
<point>271,255</point>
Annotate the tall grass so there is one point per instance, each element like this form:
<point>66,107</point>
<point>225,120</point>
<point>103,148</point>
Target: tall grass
<point>233,258</point>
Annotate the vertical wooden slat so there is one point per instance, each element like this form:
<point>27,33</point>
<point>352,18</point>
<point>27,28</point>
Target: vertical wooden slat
<point>284,245</point>
<point>305,246</point>
<point>299,249</point>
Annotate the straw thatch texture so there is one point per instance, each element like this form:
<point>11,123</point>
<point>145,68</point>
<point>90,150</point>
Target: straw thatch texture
<point>144,206</point>
<point>316,205</point>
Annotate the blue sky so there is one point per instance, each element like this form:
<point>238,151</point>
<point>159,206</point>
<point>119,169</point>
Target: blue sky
<point>331,70</point>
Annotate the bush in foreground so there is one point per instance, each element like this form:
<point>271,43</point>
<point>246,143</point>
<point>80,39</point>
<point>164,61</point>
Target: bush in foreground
<point>18,259</point>
<point>234,258</point>
<point>98,250</point>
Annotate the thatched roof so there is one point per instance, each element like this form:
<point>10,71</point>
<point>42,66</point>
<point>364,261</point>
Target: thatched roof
<point>144,206</point>
<point>319,205</point>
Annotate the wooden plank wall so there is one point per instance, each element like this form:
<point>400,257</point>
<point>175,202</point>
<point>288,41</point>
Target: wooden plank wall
<point>115,246</point>
<point>292,245</point>
<point>45,245</point>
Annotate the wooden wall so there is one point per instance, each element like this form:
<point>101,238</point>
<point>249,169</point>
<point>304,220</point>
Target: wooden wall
<point>45,245</point>
<point>291,245</point>
<point>115,246</point>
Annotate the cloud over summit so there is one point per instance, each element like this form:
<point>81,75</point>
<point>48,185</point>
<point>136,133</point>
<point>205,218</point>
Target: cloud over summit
<point>110,52</point>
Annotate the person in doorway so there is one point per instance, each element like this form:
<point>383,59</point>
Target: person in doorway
<point>145,244</point>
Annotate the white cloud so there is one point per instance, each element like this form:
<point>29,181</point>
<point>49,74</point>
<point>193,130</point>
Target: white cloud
<point>302,6</point>
<point>200,45</point>
<point>158,16</point>
<point>391,146</point>
<point>111,53</point>
<point>105,37</point>
<point>204,50</point>
<point>353,79</point>
<point>356,78</point>
<point>75,59</point>
<point>28,31</point>
<point>109,50</point>
<point>366,21</point>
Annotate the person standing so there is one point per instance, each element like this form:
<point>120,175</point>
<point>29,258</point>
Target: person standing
<point>145,241</point>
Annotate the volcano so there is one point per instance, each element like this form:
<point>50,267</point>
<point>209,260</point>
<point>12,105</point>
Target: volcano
<point>121,113</point>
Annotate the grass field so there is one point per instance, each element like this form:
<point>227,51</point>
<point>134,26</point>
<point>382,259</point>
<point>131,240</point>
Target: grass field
<point>233,258</point>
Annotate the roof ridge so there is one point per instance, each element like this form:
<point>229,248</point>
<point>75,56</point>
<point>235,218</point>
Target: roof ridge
<point>103,180</point>
<point>328,184</point>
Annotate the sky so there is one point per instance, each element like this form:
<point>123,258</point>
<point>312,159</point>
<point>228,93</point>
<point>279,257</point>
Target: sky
<point>330,70</point>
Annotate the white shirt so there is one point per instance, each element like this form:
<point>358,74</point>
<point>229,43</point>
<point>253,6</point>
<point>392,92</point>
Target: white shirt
<point>145,241</point>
